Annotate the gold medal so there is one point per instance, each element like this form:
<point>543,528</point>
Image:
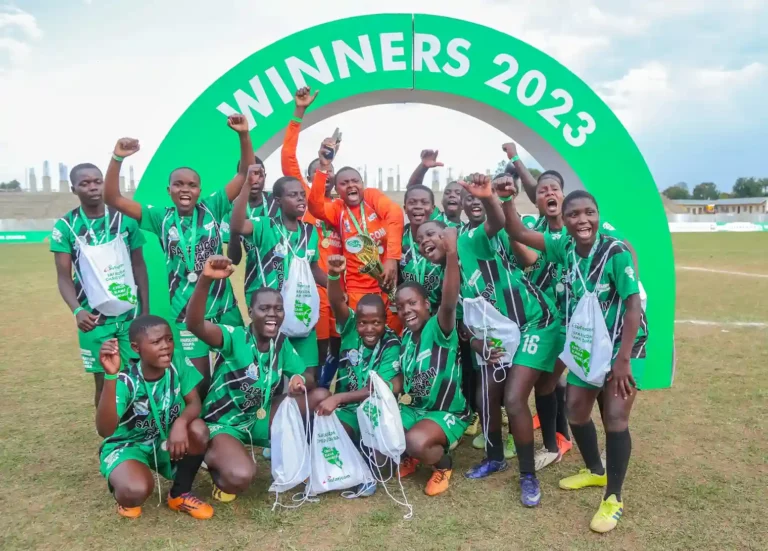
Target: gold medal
<point>406,399</point>
<point>261,413</point>
<point>325,243</point>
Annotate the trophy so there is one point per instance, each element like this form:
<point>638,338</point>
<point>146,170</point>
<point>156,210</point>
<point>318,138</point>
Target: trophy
<point>371,263</point>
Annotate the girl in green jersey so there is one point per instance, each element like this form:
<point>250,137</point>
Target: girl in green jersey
<point>603,265</point>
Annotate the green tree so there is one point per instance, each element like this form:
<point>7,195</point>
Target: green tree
<point>500,166</point>
<point>13,185</point>
<point>725,195</point>
<point>705,190</point>
<point>678,191</point>
<point>749,187</point>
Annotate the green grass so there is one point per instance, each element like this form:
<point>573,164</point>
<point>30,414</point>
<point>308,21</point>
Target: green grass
<point>696,480</point>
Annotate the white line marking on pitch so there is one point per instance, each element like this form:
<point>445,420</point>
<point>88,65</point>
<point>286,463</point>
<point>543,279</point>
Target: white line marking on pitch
<point>697,269</point>
<point>725,323</point>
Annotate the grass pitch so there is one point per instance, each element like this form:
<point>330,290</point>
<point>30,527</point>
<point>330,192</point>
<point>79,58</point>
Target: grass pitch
<point>697,479</point>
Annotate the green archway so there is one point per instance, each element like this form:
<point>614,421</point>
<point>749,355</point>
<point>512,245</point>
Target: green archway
<point>396,58</point>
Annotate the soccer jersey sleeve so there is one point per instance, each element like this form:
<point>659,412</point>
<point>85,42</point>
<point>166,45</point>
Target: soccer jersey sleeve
<point>61,238</point>
<point>260,225</point>
<point>622,272</point>
<point>290,360</point>
<point>391,215</point>
<point>312,245</point>
<point>152,219</point>
<point>224,229</point>
<point>288,160</point>
<point>189,377</point>
<point>229,336</point>
<point>349,328</point>
<point>135,238</point>
<point>389,365</point>
<point>218,203</point>
<point>123,395</point>
<point>477,243</point>
<point>556,247</point>
<point>607,229</point>
<point>441,339</point>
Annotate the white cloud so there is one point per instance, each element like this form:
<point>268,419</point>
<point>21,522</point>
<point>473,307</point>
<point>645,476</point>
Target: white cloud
<point>11,17</point>
<point>17,29</point>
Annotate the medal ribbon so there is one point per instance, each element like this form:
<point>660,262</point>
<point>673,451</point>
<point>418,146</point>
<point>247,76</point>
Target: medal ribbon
<point>89,226</point>
<point>153,405</point>
<point>258,355</point>
<point>372,358</point>
<point>363,231</point>
<point>419,262</point>
<point>250,211</point>
<point>187,251</point>
<point>407,361</point>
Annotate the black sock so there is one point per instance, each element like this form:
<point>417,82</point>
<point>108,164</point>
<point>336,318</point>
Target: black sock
<point>186,470</point>
<point>618,448</point>
<point>525,458</point>
<point>562,417</point>
<point>468,374</point>
<point>546,407</point>
<point>586,438</point>
<point>445,462</point>
<point>494,450</point>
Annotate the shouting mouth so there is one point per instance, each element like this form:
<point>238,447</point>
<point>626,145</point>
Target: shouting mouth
<point>270,325</point>
<point>353,194</point>
<point>584,232</point>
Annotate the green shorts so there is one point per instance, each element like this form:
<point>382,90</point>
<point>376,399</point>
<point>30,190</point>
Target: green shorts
<point>453,426</point>
<point>255,434</point>
<point>539,348</point>
<point>111,456</point>
<point>90,344</point>
<point>194,347</point>
<point>637,365</point>
<point>306,347</point>
<point>348,415</point>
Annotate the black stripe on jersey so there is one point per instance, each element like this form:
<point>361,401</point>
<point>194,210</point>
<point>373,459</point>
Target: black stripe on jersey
<point>512,299</point>
<point>607,249</point>
<point>438,363</point>
<point>547,317</point>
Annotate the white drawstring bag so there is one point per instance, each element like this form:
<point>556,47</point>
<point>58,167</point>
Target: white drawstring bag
<point>336,463</point>
<point>381,426</point>
<point>302,302</point>
<point>486,323</point>
<point>588,351</point>
<point>290,449</point>
<point>106,274</point>
<point>643,295</point>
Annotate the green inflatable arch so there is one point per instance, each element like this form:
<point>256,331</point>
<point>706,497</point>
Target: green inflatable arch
<point>396,58</point>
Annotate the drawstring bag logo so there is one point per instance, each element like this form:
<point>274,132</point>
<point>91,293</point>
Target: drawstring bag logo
<point>372,412</point>
<point>123,292</point>
<point>581,357</point>
<point>333,457</point>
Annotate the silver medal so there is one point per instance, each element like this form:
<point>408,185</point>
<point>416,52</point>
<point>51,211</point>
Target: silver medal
<point>191,277</point>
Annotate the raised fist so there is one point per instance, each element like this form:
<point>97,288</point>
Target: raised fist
<point>125,147</point>
<point>505,186</point>
<point>479,185</point>
<point>238,123</point>
<point>510,149</point>
<point>109,357</point>
<point>337,264</point>
<point>218,267</point>
<point>448,240</point>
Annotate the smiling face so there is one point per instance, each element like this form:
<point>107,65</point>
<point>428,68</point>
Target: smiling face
<point>155,346</point>
<point>418,206</point>
<point>293,202</point>
<point>428,238</point>
<point>371,323</point>
<point>184,189</point>
<point>474,209</point>
<point>89,187</point>
<point>266,314</point>
<point>549,197</point>
<point>412,308</point>
<point>349,186</point>
<point>582,219</point>
<point>256,181</point>
<point>452,199</point>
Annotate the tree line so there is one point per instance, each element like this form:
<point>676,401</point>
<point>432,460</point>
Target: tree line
<point>13,185</point>
<point>744,187</point>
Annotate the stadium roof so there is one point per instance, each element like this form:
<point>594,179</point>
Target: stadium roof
<point>724,202</point>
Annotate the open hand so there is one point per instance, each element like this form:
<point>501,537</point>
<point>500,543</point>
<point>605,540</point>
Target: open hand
<point>218,267</point>
<point>620,381</point>
<point>125,147</point>
<point>109,357</point>
<point>429,158</point>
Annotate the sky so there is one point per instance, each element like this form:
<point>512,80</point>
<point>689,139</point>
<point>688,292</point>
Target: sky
<point>688,78</point>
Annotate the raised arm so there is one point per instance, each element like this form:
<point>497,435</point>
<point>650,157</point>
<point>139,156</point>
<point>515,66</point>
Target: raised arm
<point>428,160</point>
<point>288,161</point>
<point>529,182</point>
<point>107,417</point>
<point>216,267</point>
<point>480,186</point>
<point>507,191</point>
<point>316,201</point>
<point>239,124</point>
<point>337,266</point>
<point>446,313</point>
<point>238,220</point>
<point>512,221</point>
<point>125,147</point>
